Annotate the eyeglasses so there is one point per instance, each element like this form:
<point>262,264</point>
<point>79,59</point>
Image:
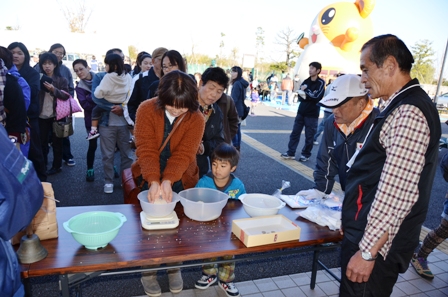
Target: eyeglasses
<point>60,54</point>
<point>166,67</point>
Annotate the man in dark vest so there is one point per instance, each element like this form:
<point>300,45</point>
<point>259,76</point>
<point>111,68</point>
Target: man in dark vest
<point>389,182</point>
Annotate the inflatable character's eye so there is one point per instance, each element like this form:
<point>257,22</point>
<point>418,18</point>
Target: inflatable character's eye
<point>328,16</point>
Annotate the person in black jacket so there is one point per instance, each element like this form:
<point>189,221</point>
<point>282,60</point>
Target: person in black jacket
<point>141,88</point>
<point>345,131</point>
<point>21,58</point>
<point>213,83</point>
<point>307,114</point>
<point>14,105</point>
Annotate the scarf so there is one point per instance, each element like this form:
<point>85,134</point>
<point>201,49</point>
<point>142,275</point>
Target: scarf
<point>3,72</point>
<point>347,130</point>
<point>207,111</point>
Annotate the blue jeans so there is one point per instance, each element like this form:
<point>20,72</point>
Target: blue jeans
<point>321,126</point>
<point>310,125</point>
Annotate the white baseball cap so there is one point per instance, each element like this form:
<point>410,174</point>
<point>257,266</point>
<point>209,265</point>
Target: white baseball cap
<point>343,89</point>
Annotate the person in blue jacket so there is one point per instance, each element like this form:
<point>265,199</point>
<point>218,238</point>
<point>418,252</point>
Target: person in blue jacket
<point>238,94</point>
<point>21,196</point>
<point>224,161</point>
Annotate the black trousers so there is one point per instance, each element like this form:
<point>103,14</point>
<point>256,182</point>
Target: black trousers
<point>46,127</point>
<point>35,154</point>
<point>384,274</point>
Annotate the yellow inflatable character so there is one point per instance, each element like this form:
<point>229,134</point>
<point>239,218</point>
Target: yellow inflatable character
<point>344,26</point>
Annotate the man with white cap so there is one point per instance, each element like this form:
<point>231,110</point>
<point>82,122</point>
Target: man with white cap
<point>344,133</point>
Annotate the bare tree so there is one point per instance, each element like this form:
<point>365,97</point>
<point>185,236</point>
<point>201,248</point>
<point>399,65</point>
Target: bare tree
<point>234,55</point>
<point>287,39</point>
<point>259,40</point>
<point>76,13</point>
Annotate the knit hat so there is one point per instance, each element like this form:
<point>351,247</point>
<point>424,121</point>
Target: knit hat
<point>343,89</point>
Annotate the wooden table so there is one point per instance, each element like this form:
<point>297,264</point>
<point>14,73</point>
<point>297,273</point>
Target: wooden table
<point>135,247</point>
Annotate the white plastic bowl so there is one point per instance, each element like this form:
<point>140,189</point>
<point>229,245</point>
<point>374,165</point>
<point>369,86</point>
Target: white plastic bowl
<point>257,205</point>
<point>157,210</point>
<point>203,204</point>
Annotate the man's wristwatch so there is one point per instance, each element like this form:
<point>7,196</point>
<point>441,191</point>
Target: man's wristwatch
<point>368,256</point>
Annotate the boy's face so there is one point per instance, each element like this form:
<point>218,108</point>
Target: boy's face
<point>221,170</point>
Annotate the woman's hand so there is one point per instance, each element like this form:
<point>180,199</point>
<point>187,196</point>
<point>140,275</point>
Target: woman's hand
<point>49,86</point>
<point>201,149</point>
<point>153,192</point>
<point>167,191</point>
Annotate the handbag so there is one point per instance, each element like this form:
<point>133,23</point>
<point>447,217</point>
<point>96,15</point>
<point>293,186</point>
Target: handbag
<point>44,223</point>
<point>129,183</point>
<point>246,110</point>
<point>62,129</point>
<point>65,108</point>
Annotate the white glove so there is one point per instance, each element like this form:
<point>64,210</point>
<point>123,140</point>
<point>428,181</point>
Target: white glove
<point>312,194</point>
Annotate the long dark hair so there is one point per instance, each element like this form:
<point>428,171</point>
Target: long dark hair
<point>176,59</point>
<point>26,62</point>
<point>238,70</point>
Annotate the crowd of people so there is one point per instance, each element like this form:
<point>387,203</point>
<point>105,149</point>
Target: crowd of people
<point>177,131</point>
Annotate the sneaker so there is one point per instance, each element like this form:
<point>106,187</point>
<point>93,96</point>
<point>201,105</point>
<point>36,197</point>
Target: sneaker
<point>205,281</point>
<point>315,142</point>
<point>151,285</point>
<point>287,157</point>
<point>229,288</point>
<point>93,134</point>
<point>70,162</point>
<point>421,267</point>
<point>175,281</point>
<point>303,159</point>
<point>108,188</point>
<point>90,175</point>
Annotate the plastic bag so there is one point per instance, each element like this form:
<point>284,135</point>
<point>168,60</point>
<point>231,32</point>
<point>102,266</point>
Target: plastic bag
<point>327,212</point>
<point>278,193</point>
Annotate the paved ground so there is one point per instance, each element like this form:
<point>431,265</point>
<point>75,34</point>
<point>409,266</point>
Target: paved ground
<point>262,170</point>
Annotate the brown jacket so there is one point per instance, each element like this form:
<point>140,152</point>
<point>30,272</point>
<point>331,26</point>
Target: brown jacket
<point>60,84</point>
<point>287,84</point>
<point>184,143</point>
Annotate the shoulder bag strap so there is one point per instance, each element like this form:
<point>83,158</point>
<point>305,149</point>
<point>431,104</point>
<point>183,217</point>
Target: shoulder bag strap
<point>171,133</point>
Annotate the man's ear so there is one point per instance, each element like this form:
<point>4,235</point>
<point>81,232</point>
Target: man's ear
<point>233,169</point>
<point>390,64</point>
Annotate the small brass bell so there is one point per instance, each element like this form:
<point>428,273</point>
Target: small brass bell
<point>31,250</point>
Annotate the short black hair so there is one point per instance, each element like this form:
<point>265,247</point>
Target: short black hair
<point>226,152</point>
<point>55,46</point>
<point>215,74</point>
<point>316,65</point>
<point>49,57</point>
<point>178,89</point>
<point>383,46</point>
<point>6,56</point>
<point>80,61</point>
<point>115,63</point>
